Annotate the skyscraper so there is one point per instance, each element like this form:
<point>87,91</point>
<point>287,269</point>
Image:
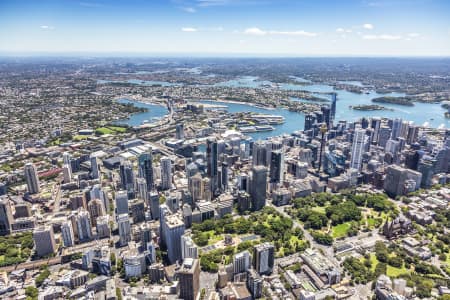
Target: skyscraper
<point>211,159</point>
<point>44,240</point>
<point>32,178</point>
<point>189,279</point>
<point>127,177</point>
<point>358,146</point>
<point>310,121</point>
<point>263,258</point>
<point>84,225</point>
<point>241,262</point>
<point>95,171</point>
<point>188,247</point>
<point>67,234</point>
<point>258,187</point>
<point>96,209</point>
<point>172,229</point>
<point>179,131</point>
<point>276,167</point>
<point>396,128</point>
<point>6,217</point>
<point>145,162</point>
<point>121,202</point>
<point>259,154</point>
<point>333,108</point>
<point>123,222</point>
<point>166,173</point>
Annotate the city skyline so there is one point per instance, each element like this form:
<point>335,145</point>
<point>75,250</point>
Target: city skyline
<point>226,28</point>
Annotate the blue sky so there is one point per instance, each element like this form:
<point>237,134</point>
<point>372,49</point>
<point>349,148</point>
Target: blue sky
<point>227,27</point>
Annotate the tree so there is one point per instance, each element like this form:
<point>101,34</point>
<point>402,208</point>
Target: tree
<point>31,292</point>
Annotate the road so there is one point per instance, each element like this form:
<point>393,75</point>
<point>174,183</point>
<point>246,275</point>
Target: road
<point>33,264</point>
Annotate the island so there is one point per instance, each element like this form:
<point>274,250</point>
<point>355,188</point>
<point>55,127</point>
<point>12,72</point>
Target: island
<point>369,107</point>
<point>394,100</point>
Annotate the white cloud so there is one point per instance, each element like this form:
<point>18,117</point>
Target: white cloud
<point>47,27</point>
<point>255,31</point>
<point>188,29</point>
<point>343,30</point>
<point>189,9</point>
<point>259,32</point>
<point>388,37</point>
<point>368,26</point>
<point>413,34</point>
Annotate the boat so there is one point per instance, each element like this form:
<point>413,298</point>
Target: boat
<point>264,128</point>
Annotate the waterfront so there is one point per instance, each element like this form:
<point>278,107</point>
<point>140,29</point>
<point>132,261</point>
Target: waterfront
<point>420,114</point>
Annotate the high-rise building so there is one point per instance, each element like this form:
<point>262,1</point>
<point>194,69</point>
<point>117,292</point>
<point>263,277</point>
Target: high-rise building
<point>358,146</point>
<point>196,187</point>
<point>396,128</point>
<point>44,240</point>
<point>375,124</point>
<point>67,234</point>
<point>212,163</point>
<point>173,228</point>
<point>142,192</point>
<point>426,168</point>
<point>188,247</point>
<point>137,209</point>
<point>67,173</point>
<point>179,135</point>
<point>103,230</point>
<point>263,258</point>
<point>146,235</point>
<point>154,205</point>
<point>123,222</point>
<point>84,225</point>
<point>95,170</point>
<point>383,136</point>
<point>310,121</point>
<point>166,173</point>
<point>259,154</point>
<point>326,111</point>
<point>6,217</point>
<point>333,109</point>
<point>398,180</point>
<point>224,178</point>
<point>127,177</point>
<point>32,178</point>
<point>254,284</point>
<point>189,279</point>
<point>276,167</point>
<point>146,169</point>
<point>96,209</point>
<point>121,202</point>
<point>241,262</point>
<point>258,187</point>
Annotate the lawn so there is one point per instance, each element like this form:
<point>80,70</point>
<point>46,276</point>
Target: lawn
<point>118,129</point>
<point>390,270</point>
<point>319,209</point>
<point>104,130</point>
<point>79,137</point>
<point>340,230</point>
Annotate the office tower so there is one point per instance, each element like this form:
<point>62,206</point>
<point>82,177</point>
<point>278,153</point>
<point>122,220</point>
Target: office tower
<point>254,284</point>
<point>224,178</point>
<point>127,177</point>
<point>396,128</point>
<point>358,146</point>
<point>123,222</point>
<point>392,146</point>
<point>276,167</point>
<point>154,205</point>
<point>404,129</point>
<point>426,168</point>
<point>146,235</point>
<point>206,193</point>
<point>179,131</point>
<point>310,121</point>
<point>166,173</point>
<point>333,108</point>
<point>96,209</point>
<point>383,136</point>
<point>84,225</point>
<point>188,247</point>
<point>241,262</point>
<point>212,162</point>
<point>44,240</point>
<point>442,157</point>
<point>97,193</point>
<point>189,279</point>
<point>145,162</point>
<point>413,132</point>
<point>263,258</point>
<point>375,124</point>
<point>3,189</point>
<point>259,154</point>
<point>95,171</point>
<point>196,187</point>
<point>22,210</point>
<point>121,202</point>
<point>399,181</point>
<point>412,158</point>
<point>67,173</point>
<point>172,230</point>
<point>243,182</point>
<point>6,217</point>
<point>67,234</point>
<point>66,158</point>
<point>32,178</point>
<point>103,230</point>
<point>323,131</point>
<point>137,209</point>
<point>258,187</point>
<point>244,201</point>
<point>326,111</point>
<point>142,192</point>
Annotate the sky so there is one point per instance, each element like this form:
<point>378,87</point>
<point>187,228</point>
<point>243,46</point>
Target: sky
<point>226,27</point>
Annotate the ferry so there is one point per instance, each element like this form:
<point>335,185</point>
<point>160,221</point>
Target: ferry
<point>271,119</point>
<point>264,128</point>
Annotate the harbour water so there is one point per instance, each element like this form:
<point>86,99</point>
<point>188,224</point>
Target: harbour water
<point>421,113</point>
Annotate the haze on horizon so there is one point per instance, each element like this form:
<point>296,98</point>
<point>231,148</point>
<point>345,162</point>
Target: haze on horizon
<point>226,27</point>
